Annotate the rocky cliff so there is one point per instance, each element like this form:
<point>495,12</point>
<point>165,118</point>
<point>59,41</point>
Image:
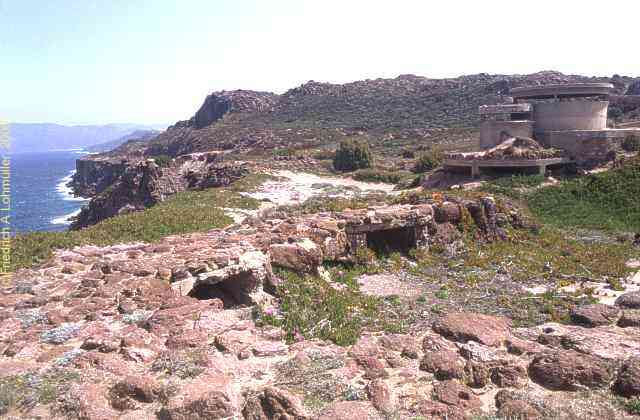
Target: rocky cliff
<point>127,186</point>
<point>93,174</point>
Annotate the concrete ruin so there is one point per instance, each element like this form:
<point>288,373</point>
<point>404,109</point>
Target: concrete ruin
<point>570,119</point>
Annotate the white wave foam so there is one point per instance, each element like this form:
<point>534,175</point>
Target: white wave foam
<point>65,191</point>
<point>64,220</point>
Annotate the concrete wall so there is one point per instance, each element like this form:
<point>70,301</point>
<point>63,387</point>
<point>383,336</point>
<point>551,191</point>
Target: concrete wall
<point>581,146</point>
<point>573,115</point>
<point>490,131</point>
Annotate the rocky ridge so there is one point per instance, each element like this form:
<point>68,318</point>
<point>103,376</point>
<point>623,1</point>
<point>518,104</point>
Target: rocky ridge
<point>318,113</point>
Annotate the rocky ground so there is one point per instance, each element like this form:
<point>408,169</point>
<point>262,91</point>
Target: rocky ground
<point>180,329</point>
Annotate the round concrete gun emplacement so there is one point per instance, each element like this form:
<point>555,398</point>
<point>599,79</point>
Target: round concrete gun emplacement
<point>572,90</point>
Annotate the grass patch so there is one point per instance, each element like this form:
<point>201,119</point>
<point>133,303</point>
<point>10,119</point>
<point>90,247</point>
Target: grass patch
<point>310,307</point>
<point>379,175</point>
<point>27,390</point>
<point>606,201</point>
<point>185,212</point>
<point>514,185</point>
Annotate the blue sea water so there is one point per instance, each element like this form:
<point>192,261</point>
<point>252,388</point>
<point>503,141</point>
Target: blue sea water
<point>41,201</point>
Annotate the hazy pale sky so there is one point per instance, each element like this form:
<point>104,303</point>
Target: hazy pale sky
<point>154,61</point>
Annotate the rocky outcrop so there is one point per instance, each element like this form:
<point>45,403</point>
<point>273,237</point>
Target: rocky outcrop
<point>94,175</point>
<point>141,184</point>
<point>217,104</point>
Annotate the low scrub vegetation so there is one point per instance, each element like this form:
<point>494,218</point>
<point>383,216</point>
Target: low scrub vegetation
<point>352,155</point>
<point>162,160</point>
<point>379,175</point>
<point>428,161</point>
<point>310,307</point>
<point>631,144</point>
<point>189,211</point>
<point>605,201</point>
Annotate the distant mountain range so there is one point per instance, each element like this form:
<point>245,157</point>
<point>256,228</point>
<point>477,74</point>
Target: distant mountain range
<point>40,137</point>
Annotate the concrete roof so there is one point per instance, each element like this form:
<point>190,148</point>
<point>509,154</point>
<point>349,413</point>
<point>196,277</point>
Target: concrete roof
<point>504,109</point>
<point>563,90</point>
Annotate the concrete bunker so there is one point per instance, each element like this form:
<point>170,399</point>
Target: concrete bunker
<point>568,122</point>
<point>234,291</point>
<point>383,238</point>
<point>401,239</point>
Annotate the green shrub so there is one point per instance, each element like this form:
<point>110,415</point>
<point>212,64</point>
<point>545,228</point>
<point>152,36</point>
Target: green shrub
<point>633,406</point>
<point>377,175</point>
<point>428,161</point>
<point>631,144</point>
<point>352,155</point>
<point>162,160</point>
<point>312,308</point>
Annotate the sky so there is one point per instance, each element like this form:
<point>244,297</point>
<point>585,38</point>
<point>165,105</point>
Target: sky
<point>154,61</point>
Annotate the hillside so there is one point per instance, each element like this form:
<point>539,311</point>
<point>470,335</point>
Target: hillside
<point>316,114</point>
<point>137,135</point>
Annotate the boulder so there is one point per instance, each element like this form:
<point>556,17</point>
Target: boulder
<point>454,393</point>
<point>381,395</point>
<point>629,300</point>
<point>570,371</point>
<point>206,397</point>
<point>274,403</point>
<point>302,256</point>
<point>465,326</point>
<point>444,365</point>
<point>126,392</point>
<point>595,315</point>
<point>630,318</point>
<point>518,409</point>
<point>628,382</point>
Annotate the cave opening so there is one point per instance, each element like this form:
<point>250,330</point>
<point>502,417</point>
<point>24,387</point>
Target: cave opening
<point>387,241</point>
<point>233,291</point>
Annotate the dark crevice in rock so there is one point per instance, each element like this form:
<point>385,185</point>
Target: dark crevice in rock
<point>234,291</point>
<point>392,240</point>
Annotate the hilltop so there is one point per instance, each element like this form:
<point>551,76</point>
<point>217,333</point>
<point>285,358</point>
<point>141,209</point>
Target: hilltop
<point>316,114</point>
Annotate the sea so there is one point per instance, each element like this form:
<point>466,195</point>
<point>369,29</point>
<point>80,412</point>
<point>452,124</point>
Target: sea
<point>41,199</point>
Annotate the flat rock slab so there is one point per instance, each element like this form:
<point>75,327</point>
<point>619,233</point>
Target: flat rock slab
<point>386,285</point>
